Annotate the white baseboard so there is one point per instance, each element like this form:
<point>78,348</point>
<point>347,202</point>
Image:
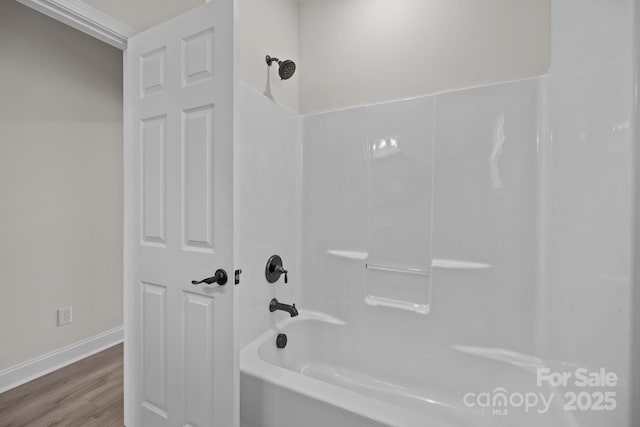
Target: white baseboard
<point>24,372</point>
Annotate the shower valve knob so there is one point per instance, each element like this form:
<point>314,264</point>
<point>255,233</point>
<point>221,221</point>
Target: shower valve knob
<point>281,270</point>
<point>274,270</point>
<point>286,273</point>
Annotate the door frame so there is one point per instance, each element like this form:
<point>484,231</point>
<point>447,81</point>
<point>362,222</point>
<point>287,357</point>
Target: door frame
<point>85,18</point>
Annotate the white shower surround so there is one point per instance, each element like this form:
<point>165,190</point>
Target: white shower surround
<point>531,177</point>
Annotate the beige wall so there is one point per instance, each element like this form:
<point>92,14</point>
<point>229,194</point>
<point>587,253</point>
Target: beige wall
<point>268,27</point>
<point>60,184</point>
<point>142,14</point>
<point>356,52</point>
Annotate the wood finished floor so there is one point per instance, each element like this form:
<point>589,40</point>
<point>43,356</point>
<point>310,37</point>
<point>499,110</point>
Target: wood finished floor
<point>86,393</point>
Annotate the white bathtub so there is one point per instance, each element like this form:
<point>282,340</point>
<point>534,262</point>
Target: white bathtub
<point>319,380</point>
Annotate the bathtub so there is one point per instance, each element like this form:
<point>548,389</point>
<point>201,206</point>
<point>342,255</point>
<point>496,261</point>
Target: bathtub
<point>319,379</point>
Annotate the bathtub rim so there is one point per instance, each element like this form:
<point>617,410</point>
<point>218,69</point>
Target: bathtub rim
<point>253,365</point>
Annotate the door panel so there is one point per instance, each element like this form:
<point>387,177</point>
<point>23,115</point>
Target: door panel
<point>198,214</point>
<point>181,368</point>
<point>199,344</point>
<point>154,343</point>
<point>152,151</point>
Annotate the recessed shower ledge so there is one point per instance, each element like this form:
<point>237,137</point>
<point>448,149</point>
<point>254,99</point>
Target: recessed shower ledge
<point>445,264</point>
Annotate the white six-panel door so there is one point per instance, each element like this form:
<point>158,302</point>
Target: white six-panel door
<point>180,368</point>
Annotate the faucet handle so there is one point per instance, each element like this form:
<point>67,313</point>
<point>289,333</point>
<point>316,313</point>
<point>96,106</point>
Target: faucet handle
<point>274,270</point>
<point>283,271</point>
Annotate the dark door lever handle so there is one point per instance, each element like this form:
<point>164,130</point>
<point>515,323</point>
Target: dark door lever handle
<point>220,278</point>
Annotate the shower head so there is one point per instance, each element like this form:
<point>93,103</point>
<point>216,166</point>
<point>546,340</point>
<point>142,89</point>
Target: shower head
<point>286,68</point>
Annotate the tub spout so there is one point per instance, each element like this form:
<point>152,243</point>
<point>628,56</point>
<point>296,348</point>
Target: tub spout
<point>274,305</point>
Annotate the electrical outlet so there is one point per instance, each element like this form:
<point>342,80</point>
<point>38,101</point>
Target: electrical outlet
<point>64,316</point>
